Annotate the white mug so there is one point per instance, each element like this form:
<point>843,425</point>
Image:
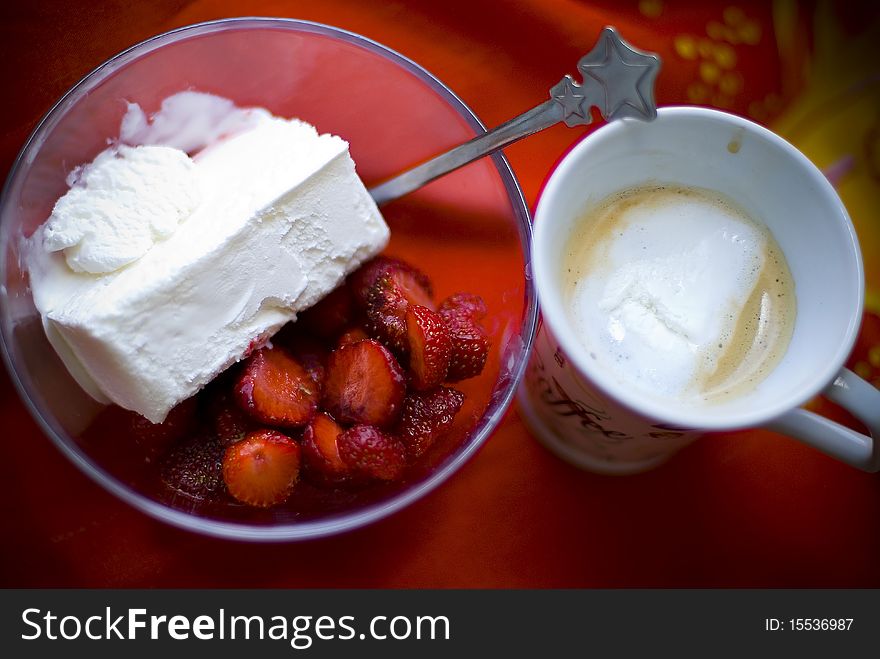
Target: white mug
<point>597,422</point>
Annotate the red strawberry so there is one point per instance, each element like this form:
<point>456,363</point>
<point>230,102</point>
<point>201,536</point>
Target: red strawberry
<point>275,389</point>
<point>464,304</point>
<point>387,302</point>
<point>320,451</point>
<point>429,347</point>
<point>470,343</point>
<point>229,422</point>
<point>386,316</point>
<point>309,352</point>
<point>331,314</point>
<point>364,278</point>
<point>364,384</point>
<point>372,453</point>
<point>154,438</point>
<point>262,469</point>
<point>361,280</point>
<point>383,288</point>
<point>426,416</point>
<point>352,335</point>
<point>193,468</point>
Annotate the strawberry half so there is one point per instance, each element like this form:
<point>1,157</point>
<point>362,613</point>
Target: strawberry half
<point>320,451</point>
<point>311,355</point>
<point>364,384</point>
<point>430,347</point>
<point>467,305</point>
<point>352,335</point>
<point>331,314</point>
<point>276,389</point>
<point>470,342</point>
<point>193,468</point>
<point>372,453</point>
<point>262,469</point>
<point>154,438</point>
<point>364,278</point>
<point>426,416</point>
<point>387,301</point>
<point>230,423</point>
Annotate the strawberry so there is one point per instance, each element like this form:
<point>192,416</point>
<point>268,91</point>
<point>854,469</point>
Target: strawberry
<point>364,384</point>
<point>262,469</point>
<point>309,352</point>
<point>364,278</point>
<point>430,347</point>
<point>331,314</point>
<point>387,301</point>
<point>470,343</point>
<point>426,416</point>
<point>230,423</point>
<point>275,389</point>
<point>352,335</point>
<point>384,288</point>
<point>386,316</point>
<point>320,451</point>
<point>154,438</point>
<point>464,304</point>
<point>372,453</point>
<point>193,468</point>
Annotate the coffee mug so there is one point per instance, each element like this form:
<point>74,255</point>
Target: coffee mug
<point>597,422</point>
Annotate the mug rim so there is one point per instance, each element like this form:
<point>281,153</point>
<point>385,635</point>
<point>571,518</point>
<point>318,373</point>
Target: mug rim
<point>656,408</point>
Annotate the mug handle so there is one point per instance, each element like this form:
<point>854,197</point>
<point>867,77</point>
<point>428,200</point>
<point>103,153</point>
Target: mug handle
<point>860,399</point>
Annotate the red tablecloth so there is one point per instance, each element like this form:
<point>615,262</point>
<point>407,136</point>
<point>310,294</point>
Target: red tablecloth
<point>745,509</point>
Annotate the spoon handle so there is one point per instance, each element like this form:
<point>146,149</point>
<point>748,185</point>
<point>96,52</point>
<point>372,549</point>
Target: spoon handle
<point>623,86</point>
<point>538,118</point>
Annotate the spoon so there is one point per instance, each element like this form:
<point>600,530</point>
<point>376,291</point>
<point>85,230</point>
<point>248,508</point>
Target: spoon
<point>621,85</point>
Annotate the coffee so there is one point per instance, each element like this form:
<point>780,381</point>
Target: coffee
<point>679,293</point>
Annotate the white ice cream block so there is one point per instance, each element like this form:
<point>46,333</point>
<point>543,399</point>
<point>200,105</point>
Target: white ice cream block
<point>281,217</point>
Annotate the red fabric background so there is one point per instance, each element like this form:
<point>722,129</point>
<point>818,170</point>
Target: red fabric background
<point>745,509</point>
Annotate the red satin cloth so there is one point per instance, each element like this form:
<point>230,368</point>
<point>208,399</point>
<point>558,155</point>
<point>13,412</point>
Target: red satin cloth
<point>744,509</point>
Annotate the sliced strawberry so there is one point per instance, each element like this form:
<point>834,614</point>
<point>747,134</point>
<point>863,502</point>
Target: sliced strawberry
<point>331,314</point>
<point>275,389</point>
<point>230,423</point>
<point>467,305</point>
<point>320,451</point>
<point>352,335</point>
<point>387,301</point>
<point>470,342</point>
<point>362,279</point>
<point>193,468</point>
<point>430,348</point>
<point>470,348</point>
<point>364,384</point>
<point>410,278</point>
<point>262,469</point>
<point>426,416</point>
<point>154,438</point>
<point>386,316</point>
<point>372,453</point>
<point>311,354</point>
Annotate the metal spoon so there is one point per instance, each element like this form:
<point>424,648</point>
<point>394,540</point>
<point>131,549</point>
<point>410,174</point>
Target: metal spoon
<point>621,85</point>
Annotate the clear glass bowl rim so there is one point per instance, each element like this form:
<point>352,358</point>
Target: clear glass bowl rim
<point>344,521</point>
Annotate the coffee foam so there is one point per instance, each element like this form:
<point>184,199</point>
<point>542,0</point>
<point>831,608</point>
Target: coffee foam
<point>679,293</point>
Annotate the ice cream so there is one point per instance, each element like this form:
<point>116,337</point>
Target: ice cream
<point>151,283</point>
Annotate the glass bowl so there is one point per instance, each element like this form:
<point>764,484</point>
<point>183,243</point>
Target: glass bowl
<point>469,231</point>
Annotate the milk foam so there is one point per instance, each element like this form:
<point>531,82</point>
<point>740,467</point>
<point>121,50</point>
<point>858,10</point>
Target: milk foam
<point>659,279</point>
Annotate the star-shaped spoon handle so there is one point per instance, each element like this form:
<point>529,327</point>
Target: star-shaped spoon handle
<point>618,80</point>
